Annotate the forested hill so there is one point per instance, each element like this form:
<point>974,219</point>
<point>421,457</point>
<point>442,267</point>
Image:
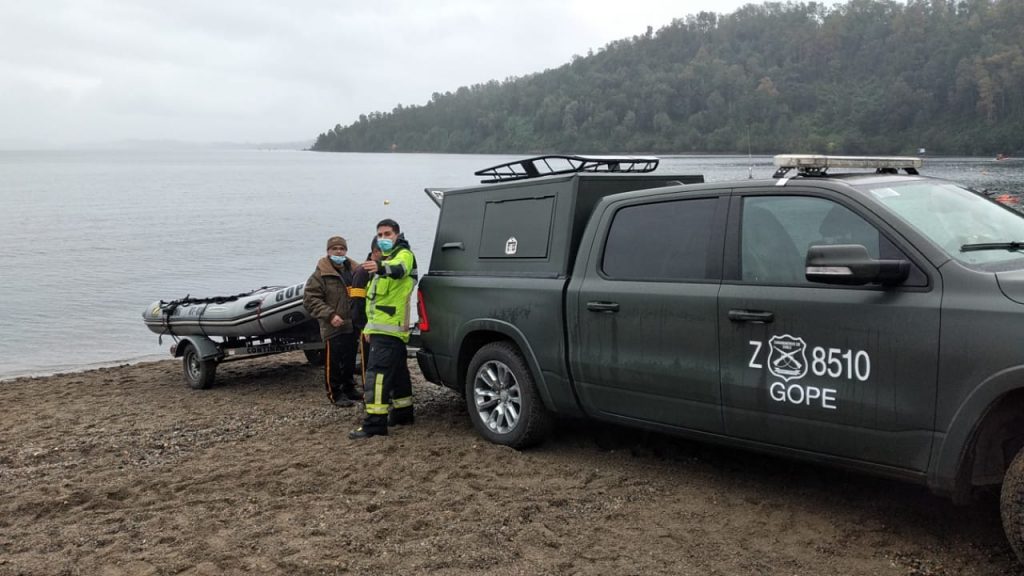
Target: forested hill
<point>865,77</point>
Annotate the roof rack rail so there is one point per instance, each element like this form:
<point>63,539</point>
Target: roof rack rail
<point>565,164</point>
<point>818,165</point>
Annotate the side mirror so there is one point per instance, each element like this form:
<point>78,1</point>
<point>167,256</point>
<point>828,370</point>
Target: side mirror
<point>850,265</point>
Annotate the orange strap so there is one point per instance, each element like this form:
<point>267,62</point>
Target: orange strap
<point>327,369</point>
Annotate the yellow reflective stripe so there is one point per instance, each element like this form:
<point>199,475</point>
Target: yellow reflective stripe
<point>403,402</point>
<point>371,291</point>
<point>376,407</point>
<point>356,292</point>
<point>386,328</point>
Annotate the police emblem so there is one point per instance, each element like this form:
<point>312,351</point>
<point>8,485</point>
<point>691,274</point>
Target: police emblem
<point>787,358</point>
<point>511,246</point>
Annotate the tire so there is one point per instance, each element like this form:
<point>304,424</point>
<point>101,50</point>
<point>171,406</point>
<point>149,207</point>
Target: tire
<point>315,357</point>
<point>199,373</point>
<point>502,398</point>
<point>1011,504</point>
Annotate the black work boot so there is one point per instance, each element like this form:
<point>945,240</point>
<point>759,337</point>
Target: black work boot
<point>373,425</point>
<point>401,416</point>
<point>350,392</point>
<point>338,398</point>
<point>362,434</point>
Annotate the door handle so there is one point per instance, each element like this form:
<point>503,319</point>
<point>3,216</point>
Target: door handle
<point>756,316</point>
<point>610,307</point>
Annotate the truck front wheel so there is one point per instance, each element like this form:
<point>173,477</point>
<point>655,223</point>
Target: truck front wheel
<point>502,397</point>
<point>199,373</point>
<point>1011,504</point>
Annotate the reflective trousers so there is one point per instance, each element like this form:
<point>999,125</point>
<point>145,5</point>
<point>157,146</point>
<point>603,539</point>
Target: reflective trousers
<point>387,385</point>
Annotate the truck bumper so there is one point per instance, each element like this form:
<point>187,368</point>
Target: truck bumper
<point>427,366</point>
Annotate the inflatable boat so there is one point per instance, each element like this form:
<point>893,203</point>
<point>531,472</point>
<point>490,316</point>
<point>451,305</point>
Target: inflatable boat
<point>266,310</point>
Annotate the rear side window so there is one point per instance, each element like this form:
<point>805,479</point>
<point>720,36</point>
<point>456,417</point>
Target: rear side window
<point>519,228</point>
<point>660,241</point>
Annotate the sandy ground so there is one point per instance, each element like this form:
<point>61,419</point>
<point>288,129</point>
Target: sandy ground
<point>127,471</point>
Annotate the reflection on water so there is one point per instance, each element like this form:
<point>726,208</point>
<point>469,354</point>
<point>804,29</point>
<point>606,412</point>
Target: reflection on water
<point>88,239</point>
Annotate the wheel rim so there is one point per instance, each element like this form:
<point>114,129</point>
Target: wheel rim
<point>193,366</point>
<point>496,395</point>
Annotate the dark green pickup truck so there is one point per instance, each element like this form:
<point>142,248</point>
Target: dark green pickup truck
<point>868,319</point>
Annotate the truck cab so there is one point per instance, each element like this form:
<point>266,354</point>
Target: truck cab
<point>846,314</point>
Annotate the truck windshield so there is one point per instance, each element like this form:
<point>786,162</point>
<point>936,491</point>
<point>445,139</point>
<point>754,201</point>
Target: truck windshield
<point>954,217</point>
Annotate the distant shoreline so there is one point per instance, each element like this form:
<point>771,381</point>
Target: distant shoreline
<point>106,365</point>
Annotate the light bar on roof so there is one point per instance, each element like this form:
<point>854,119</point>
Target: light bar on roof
<point>818,164</point>
<point>817,161</point>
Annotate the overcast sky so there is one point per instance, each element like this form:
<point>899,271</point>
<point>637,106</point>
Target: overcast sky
<point>89,71</point>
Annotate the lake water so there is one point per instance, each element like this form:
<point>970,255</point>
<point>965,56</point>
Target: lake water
<point>89,239</point>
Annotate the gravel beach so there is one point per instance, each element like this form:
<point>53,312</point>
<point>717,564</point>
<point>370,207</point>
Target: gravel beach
<point>126,470</point>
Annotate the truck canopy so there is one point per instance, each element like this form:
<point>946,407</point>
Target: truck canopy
<point>510,227</point>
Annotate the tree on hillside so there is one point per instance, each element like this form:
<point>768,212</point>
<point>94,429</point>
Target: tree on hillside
<point>867,76</point>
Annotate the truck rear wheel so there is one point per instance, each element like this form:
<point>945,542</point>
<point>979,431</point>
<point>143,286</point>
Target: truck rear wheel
<point>199,373</point>
<point>502,397</point>
<point>1011,504</point>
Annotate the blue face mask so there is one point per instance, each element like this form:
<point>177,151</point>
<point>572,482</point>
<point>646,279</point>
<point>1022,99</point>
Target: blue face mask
<point>385,244</point>
<point>339,260</point>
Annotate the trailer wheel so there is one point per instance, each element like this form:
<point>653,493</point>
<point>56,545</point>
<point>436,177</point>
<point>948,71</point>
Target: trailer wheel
<point>502,398</point>
<point>1011,504</point>
<point>314,357</point>
<point>199,373</point>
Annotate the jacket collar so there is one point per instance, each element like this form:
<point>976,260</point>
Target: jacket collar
<point>326,267</point>
<point>400,243</point>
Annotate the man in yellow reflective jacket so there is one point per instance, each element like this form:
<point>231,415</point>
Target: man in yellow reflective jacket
<point>387,386</point>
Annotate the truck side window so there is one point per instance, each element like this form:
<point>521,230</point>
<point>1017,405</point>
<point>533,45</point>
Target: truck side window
<point>776,232</point>
<point>660,241</point>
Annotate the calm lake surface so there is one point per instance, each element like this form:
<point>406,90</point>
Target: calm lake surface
<point>89,239</point>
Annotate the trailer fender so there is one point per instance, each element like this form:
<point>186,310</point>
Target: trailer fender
<point>206,348</point>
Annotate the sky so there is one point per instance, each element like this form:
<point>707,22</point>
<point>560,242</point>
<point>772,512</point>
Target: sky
<point>75,72</point>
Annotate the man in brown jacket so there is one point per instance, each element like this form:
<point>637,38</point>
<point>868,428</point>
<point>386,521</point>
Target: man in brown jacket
<point>327,298</point>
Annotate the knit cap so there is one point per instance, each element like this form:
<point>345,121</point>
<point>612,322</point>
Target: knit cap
<point>337,241</point>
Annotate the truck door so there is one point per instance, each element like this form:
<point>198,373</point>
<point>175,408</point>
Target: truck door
<point>643,326</point>
<point>845,371</point>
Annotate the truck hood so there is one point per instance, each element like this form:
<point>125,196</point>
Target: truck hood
<point>1012,284</point>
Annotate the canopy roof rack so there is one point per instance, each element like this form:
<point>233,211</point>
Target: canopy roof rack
<point>565,164</point>
<point>816,165</point>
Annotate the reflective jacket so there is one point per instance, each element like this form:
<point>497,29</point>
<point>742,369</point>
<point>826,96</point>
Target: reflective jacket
<point>388,296</point>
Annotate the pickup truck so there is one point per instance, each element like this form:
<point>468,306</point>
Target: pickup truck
<point>862,318</point>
